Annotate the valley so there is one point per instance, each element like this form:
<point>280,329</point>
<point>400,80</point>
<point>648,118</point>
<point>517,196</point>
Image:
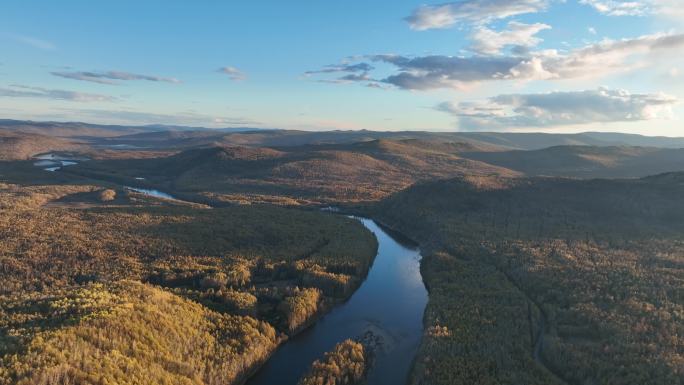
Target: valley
<point>536,271</point>
<point>459,192</point>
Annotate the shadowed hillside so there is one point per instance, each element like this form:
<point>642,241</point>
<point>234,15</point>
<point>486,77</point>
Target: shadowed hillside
<point>548,280</point>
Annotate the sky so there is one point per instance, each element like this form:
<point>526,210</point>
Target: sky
<point>468,65</point>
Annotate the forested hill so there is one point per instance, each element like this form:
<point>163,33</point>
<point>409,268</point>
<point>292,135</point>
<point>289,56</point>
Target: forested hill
<point>360,171</point>
<point>548,280</point>
<point>15,145</point>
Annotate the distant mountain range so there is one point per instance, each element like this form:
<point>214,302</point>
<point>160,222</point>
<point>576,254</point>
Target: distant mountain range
<point>186,136</point>
<point>79,129</point>
<point>335,165</point>
<point>493,141</point>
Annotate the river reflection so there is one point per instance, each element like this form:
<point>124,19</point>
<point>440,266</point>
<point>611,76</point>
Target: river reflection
<point>390,304</point>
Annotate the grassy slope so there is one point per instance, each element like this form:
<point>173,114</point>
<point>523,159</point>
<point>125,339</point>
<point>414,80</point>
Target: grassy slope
<point>548,280</point>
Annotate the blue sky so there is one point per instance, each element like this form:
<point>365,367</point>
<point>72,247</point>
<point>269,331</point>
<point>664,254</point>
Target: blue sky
<point>492,65</point>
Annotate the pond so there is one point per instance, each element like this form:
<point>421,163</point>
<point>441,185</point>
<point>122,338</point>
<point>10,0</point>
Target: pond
<point>53,162</point>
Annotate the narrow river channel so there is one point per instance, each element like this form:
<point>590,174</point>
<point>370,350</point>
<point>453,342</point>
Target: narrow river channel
<point>389,304</point>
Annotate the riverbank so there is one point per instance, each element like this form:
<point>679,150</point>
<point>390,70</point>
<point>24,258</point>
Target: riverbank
<point>389,303</point>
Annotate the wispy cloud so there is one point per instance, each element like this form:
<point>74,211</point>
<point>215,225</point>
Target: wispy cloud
<point>560,109</point>
<point>22,91</point>
<point>111,77</point>
<point>182,118</point>
<point>233,73</point>
<point>33,42</point>
<point>333,68</point>
<point>470,11</point>
<point>347,73</point>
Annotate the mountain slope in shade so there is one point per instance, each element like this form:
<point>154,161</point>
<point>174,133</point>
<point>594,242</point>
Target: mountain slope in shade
<point>536,279</point>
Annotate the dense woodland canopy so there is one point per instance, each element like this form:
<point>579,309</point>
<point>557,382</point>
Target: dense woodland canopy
<point>90,295</point>
<point>549,280</point>
<point>346,364</point>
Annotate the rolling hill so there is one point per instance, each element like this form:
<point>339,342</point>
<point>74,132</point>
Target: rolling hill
<point>548,280</point>
<point>360,171</point>
<point>17,145</point>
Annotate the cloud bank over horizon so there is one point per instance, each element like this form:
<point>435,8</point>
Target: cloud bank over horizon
<point>551,109</point>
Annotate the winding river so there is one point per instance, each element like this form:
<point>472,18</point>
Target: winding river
<point>389,304</point>
<point>387,308</point>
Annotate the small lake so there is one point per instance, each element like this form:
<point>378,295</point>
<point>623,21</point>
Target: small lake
<point>390,304</point>
<point>53,162</point>
<point>151,192</point>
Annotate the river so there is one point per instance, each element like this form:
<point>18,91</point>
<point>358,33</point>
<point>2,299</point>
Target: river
<point>390,304</point>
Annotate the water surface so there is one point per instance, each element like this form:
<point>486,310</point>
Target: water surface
<point>151,192</point>
<point>53,162</point>
<point>390,304</point>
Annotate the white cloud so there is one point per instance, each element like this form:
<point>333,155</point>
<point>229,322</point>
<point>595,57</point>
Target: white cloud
<point>470,11</point>
<point>668,8</point>
<point>591,61</point>
<point>621,7</point>
<point>21,91</point>
<point>233,73</point>
<point>599,59</point>
<point>489,42</point>
<point>674,8</point>
<point>592,30</point>
<point>111,77</point>
<point>561,109</point>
